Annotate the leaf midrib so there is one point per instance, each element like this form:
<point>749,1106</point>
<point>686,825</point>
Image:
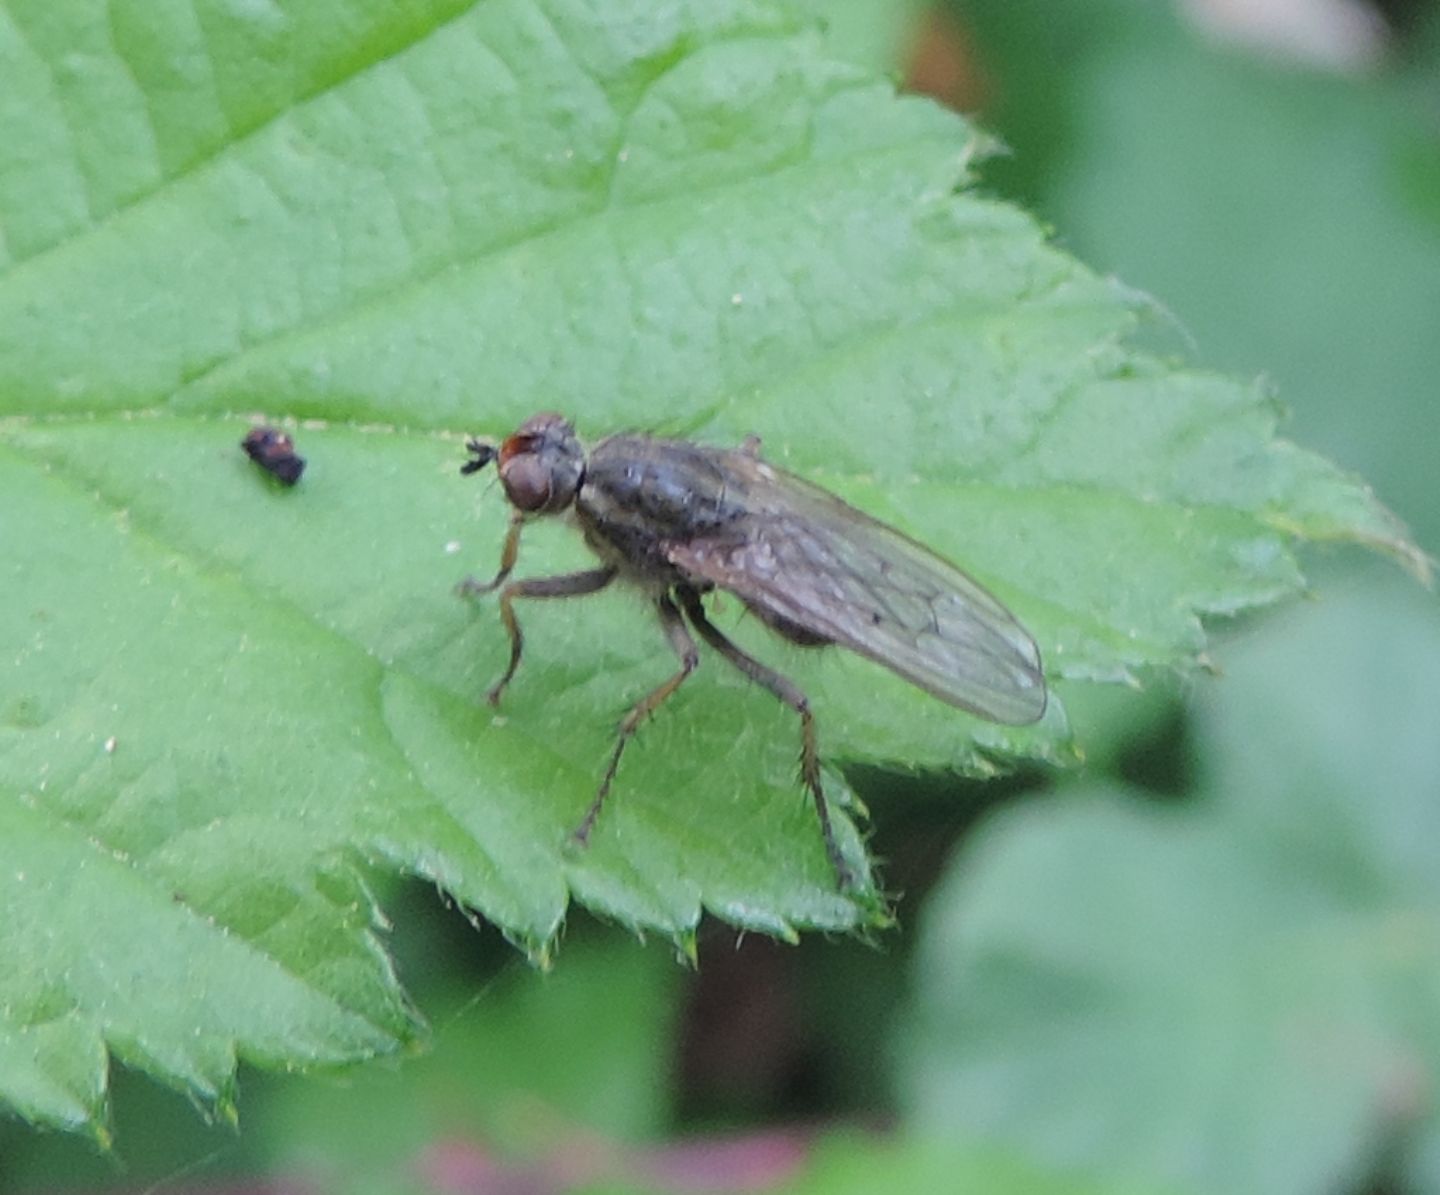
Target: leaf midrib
<point>1116,637</point>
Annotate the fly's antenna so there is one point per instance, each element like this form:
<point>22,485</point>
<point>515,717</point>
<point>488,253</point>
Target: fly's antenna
<point>482,452</point>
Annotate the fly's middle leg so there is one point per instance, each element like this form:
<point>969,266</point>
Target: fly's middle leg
<point>567,585</point>
<point>789,693</point>
<point>684,647</point>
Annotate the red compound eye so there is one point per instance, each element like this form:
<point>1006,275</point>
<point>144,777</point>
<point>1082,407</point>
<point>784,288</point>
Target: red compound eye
<point>541,465</point>
<point>527,478</point>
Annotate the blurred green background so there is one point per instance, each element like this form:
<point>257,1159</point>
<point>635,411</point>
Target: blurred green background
<point>1212,962</point>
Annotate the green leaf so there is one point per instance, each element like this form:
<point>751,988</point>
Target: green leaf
<point>1237,996</point>
<point>847,1163</point>
<point>228,698</point>
<point>875,33</point>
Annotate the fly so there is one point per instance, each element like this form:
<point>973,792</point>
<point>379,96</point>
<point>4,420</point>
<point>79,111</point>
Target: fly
<point>679,520</point>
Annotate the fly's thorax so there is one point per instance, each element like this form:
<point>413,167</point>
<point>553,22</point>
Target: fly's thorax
<point>678,489</point>
<point>640,495</point>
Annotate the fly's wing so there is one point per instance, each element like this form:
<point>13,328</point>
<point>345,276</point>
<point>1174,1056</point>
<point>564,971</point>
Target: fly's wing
<point>803,556</point>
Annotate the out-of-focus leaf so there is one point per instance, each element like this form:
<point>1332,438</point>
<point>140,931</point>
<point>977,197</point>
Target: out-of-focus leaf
<point>1335,709</point>
<point>1289,219</point>
<point>856,1165</point>
<point>531,1068</point>
<point>399,227</point>
<point>1239,996</point>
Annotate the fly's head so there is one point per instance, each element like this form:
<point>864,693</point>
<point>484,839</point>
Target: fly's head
<point>541,465</point>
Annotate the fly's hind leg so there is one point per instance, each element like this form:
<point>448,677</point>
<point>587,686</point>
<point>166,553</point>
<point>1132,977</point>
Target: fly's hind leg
<point>789,693</point>
<point>567,585</point>
<point>684,647</point>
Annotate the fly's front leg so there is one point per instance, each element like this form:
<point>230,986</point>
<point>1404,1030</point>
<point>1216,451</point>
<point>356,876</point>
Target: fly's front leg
<point>788,692</point>
<point>568,585</point>
<point>469,587</point>
<point>684,647</point>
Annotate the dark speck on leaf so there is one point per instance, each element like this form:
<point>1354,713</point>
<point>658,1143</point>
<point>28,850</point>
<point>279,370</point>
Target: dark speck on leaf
<point>274,451</point>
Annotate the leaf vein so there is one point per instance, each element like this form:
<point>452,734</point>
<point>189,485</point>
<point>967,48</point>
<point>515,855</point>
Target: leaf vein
<point>225,147</point>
